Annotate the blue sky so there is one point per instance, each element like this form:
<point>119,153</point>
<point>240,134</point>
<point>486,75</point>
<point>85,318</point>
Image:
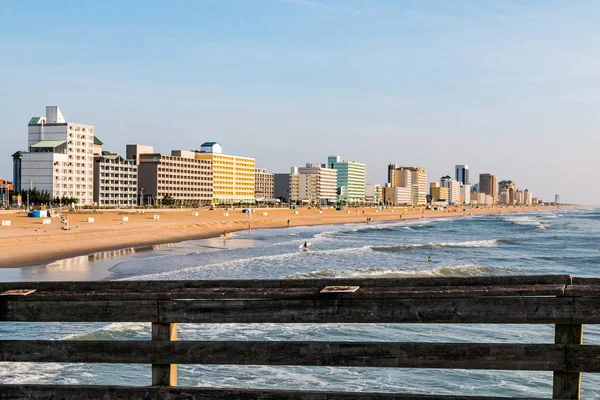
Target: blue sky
<point>508,87</point>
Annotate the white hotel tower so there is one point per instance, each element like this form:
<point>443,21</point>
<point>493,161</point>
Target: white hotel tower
<point>60,157</point>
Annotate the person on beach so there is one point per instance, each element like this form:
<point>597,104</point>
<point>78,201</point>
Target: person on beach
<point>288,223</point>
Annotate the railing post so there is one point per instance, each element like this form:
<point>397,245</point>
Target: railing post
<point>567,385</point>
<point>164,374</point>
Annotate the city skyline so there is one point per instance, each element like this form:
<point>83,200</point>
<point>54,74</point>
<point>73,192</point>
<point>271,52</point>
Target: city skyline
<point>270,80</point>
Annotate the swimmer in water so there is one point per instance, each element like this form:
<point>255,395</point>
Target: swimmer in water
<point>429,259</point>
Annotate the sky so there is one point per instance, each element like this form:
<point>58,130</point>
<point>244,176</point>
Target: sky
<point>507,87</point>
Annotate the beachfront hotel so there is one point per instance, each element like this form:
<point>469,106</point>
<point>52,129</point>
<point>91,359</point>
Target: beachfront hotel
<point>438,194</point>
<point>317,184</point>
<point>488,184</point>
<point>509,189</point>
<point>453,189</point>
<point>264,185</point>
<point>286,185</point>
<point>115,181</point>
<point>399,177</point>
<point>399,195</point>
<point>351,179</point>
<point>233,176</point>
<point>465,193</point>
<point>180,177</point>
<point>59,158</point>
<point>373,193</point>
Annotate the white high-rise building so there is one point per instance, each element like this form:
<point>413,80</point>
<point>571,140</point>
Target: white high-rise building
<point>317,184</point>
<point>453,189</point>
<point>60,157</point>
<point>465,194</point>
<point>462,174</point>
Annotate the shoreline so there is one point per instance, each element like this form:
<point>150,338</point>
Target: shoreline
<point>28,243</point>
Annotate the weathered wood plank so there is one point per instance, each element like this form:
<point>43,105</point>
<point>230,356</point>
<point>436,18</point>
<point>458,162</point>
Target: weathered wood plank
<point>164,373</point>
<point>532,357</point>
<point>567,384</point>
<point>583,358</point>
<point>583,290</point>
<point>77,392</point>
<point>585,281</point>
<point>157,286</point>
<point>79,311</point>
<point>303,293</point>
<point>543,310</point>
<point>197,393</point>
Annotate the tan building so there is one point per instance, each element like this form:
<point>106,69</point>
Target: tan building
<point>233,176</point>
<point>179,176</point>
<point>488,184</point>
<point>373,193</point>
<point>264,184</point>
<point>317,184</point>
<point>511,187</point>
<point>438,193</point>
<point>398,177</point>
<point>396,196</point>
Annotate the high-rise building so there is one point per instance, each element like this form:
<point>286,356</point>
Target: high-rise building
<point>462,174</point>
<point>488,184</point>
<point>233,176</point>
<point>527,197</point>
<point>287,186</point>
<point>59,158</point>
<point>373,193</point>
<point>398,195</point>
<point>397,177</point>
<point>519,197</point>
<point>180,177</point>
<point>556,199</point>
<point>115,181</point>
<point>453,189</point>
<point>512,190</point>
<point>465,194</point>
<point>317,184</point>
<point>264,185</point>
<point>351,179</point>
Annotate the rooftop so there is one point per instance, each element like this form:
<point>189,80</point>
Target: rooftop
<point>48,143</point>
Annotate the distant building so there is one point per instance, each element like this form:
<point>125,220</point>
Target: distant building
<point>115,181</point>
<point>398,195</point>
<point>462,174</point>
<point>397,177</point>
<point>504,196</point>
<point>527,197</point>
<point>438,193</point>
<point>179,176</point>
<point>286,186</point>
<point>373,193</point>
<point>233,176</point>
<point>317,184</point>
<point>488,184</point>
<point>264,185</point>
<point>519,197</point>
<point>351,179</point>
<point>453,189</point>
<point>59,158</point>
<point>512,191</point>
<point>557,199</point>
<point>465,194</point>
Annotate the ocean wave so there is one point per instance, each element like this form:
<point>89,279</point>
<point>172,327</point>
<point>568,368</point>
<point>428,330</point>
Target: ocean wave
<point>379,272</point>
<point>473,243</point>
<point>113,331</point>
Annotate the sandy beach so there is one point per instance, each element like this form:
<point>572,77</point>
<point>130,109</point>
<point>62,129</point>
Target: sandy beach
<point>27,242</point>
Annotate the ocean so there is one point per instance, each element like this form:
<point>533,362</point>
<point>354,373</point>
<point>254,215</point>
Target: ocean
<point>550,242</point>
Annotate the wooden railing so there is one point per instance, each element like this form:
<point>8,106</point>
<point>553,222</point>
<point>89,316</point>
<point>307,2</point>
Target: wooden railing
<point>566,302</point>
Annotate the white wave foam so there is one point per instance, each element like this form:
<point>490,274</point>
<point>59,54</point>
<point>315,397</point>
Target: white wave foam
<point>115,328</point>
<point>456,270</point>
<point>472,243</point>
